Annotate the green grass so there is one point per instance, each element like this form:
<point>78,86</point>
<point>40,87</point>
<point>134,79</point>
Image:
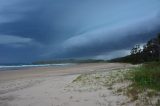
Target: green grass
<point>147,76</point>
<point>143,83</point>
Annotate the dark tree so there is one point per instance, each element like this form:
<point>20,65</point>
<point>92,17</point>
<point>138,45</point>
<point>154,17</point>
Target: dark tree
<point>136,50</point>
<point>150,52</point>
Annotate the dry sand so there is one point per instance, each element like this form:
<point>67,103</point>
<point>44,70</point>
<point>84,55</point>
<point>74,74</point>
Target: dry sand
<point>47,86</point>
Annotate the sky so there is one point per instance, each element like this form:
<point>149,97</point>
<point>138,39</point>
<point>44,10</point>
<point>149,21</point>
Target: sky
<point>32,30</point>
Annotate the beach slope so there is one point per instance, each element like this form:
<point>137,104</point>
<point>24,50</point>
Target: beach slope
<point>52,86</point>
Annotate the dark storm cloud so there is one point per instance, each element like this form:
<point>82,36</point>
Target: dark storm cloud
<point>41,29</point>
<point>105,40</point>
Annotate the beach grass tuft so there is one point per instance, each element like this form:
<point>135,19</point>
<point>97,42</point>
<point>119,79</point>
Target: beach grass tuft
<point>147,76</point>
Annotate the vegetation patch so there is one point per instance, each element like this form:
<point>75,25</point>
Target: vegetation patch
<point>100,80</point>
<point>141,84</point>
<point>145,85</point>
<point>147,76</point>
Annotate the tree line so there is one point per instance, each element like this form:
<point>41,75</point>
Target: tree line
<point>149,52</point>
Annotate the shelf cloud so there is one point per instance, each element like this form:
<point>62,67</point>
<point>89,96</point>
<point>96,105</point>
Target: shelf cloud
<point>58,29</point>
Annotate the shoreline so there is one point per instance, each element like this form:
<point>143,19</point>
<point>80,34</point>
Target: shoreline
<point>49,71</point>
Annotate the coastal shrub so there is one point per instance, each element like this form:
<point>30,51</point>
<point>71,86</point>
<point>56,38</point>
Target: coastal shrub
<point>147,76</point>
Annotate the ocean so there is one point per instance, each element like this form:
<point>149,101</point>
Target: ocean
<point>18,67</point>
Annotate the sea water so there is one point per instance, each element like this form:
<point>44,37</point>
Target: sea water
<point>17,67</point>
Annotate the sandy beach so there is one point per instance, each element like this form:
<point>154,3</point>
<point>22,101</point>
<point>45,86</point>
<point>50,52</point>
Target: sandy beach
<point>50,86</point>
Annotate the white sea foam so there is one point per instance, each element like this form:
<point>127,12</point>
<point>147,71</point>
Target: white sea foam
<point>40,65</point>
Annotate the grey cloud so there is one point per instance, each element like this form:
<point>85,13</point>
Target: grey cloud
<point>113,54</point>
<point>8,39</point>
<point>74,28</point>
<point>18,41</point>
<point>101,40</point>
